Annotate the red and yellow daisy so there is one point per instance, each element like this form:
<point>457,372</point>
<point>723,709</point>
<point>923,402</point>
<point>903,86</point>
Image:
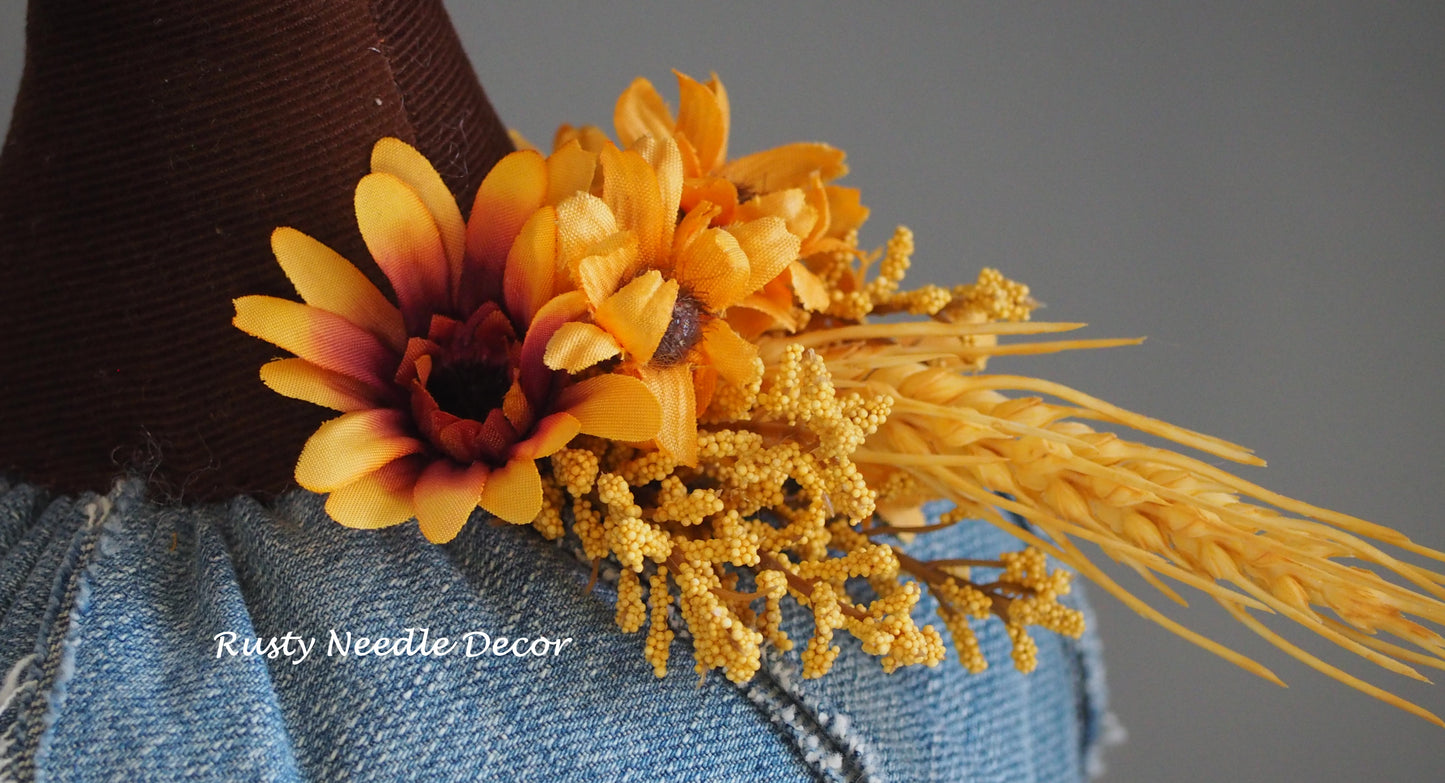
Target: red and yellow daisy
<point>446,403</point>
<point>656,287</point>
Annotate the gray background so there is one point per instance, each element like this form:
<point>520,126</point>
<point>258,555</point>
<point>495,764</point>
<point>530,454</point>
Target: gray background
<point>1259,191</point>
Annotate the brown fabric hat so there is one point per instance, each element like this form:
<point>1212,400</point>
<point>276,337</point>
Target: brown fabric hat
<point>154,147</point>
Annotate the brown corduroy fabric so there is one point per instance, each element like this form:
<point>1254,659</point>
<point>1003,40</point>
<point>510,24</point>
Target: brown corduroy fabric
<point>154,147</point>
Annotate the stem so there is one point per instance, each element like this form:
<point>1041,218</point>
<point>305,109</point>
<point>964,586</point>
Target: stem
<point>890,530</point>
<point>929,574</point>
<point>966,562</point>
<point>804,586</point>
<point>592,582</point>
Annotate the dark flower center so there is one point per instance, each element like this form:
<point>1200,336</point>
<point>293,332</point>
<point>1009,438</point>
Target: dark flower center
<point>471,390</point>
<point>683,331</point>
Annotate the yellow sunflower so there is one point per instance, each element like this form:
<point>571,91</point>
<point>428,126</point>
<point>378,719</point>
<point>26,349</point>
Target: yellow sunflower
<point>657,287</point>
<point>445,401</point>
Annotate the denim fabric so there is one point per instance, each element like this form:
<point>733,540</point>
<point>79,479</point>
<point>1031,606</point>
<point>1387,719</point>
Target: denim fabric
<point>112,605</point>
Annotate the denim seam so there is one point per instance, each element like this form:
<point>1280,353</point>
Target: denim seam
<point>835,756</point>
<point>47,671</point>
<point>16,686</point>
<point>856,760</point>
<point>832,755</point>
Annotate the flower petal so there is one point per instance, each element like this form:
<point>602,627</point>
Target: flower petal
<point>591,137</point>
<point>516,408</point>
<point>770,247</point>
<point>378,499</point>
<point>613,406</point>
<point>351,446</point>
<point>514,492</point>
<point>693,223</point>
<point>519,141</point>
<point>791,205</point>
<point>323,338</point>
<point>788,166</point>
<point>302,380</point>
<point>690,166</point>
<point>613,261</point>
<point>775,299</point>
<point>672,387</point>
<point>818,205</point>
<point>640,111</point>
<point>458,438</point>
<point>845,210</point>
<point>713,268</point>
<point>418,349</point>
<point>638,314</point>
<point>704,384</point>
<point>729,354</point>
<point>750,322</point>
<point>666,162</point>
<point>710,190</point>
<point>812,292</point>
<point>582,221</point>
<point>629,188</point>
<point>511,192</point>
<point>569,170</point>
<point>577,346</point>
<point>533,373</point>
<point>549,436</point>
<point>403,238</point>
<point>531,267</point>
<point>495,437</point>
<point>445,496</point>
<point>401,160</point>
<point>702,116</point>
<point>326,280</point>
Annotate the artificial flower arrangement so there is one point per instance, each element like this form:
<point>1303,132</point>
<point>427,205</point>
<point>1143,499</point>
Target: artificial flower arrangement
<point>687,362</point>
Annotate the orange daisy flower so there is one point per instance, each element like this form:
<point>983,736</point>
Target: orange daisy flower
<point>446,403</point>
<point>789,182</point>
<point>657,286</point>
<point>701,130</point>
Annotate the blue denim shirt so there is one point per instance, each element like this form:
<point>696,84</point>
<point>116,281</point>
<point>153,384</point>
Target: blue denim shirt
<point>119,618</point>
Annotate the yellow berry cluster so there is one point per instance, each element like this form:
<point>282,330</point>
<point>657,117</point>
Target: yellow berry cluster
<point>852,295</point>
<point>774,502</point>
<point>994,297</point>
<point>1025,593</point>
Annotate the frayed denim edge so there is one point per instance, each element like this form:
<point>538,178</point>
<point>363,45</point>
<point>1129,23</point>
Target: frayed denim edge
<point>1103,730</point>
<point>54,657</point>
